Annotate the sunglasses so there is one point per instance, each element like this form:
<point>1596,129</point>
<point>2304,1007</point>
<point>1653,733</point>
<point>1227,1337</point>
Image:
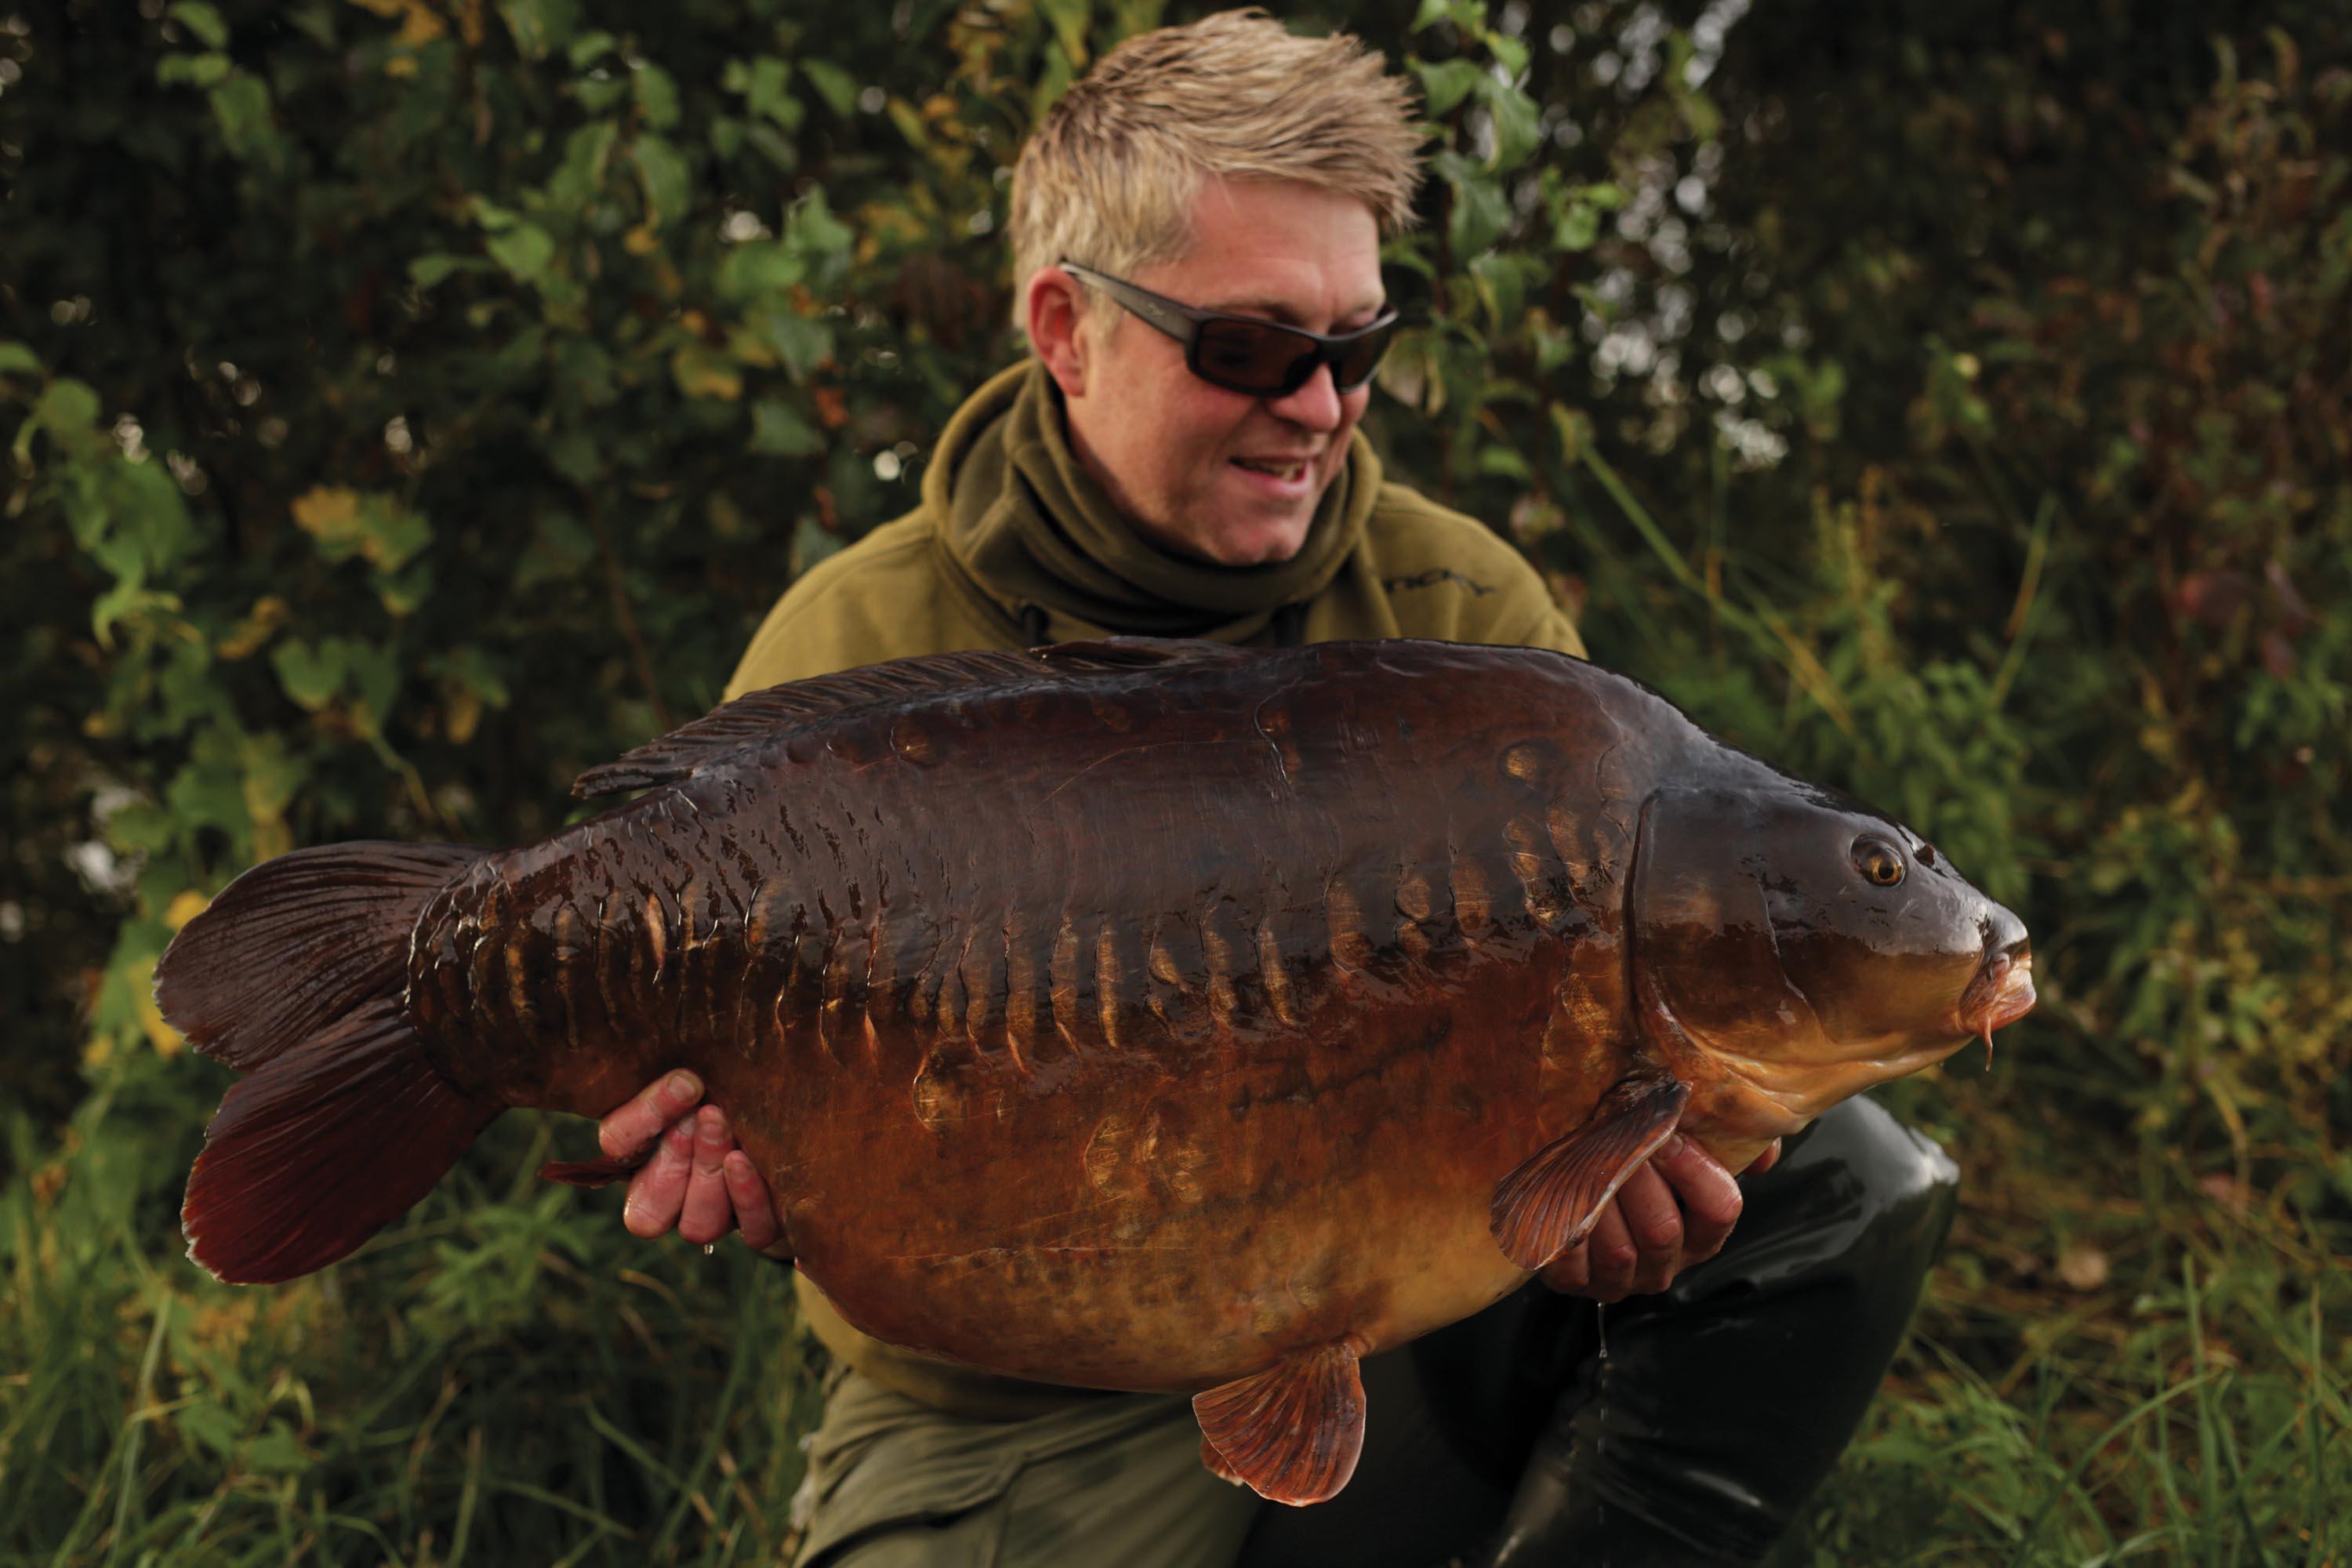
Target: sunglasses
<point>1244,354</point>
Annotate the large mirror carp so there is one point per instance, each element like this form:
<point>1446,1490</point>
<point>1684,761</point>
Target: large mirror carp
<point>1136,1014</point>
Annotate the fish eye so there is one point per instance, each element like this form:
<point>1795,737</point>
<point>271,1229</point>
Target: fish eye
<point>1880,863</point>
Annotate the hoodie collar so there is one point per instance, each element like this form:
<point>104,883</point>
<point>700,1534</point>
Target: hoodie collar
<point>1027,529</point>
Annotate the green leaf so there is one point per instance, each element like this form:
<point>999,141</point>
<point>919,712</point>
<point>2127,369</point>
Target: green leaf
<point>597,94</point>
<point>539,26</point>
<point>374,673</point>
<point>812,230</point>
<point>1578,227</point>
<point>763,90</point>
<point>311,676</point>
<point>523,250</point>
<point>834,85</point>
<point>572,454</point>
<point>1504,463</point>
<point>1469,15</point>
<point>1481,211</point>
<point>66,406</point>
<point>777,431</point>
<point>1068,19</point>
<point>490,215</point>
<point>193,70</point>
<point>241,106</point>
<point>587,153</point>
<point>801,343</point>
<point>201,20</point>
<point>701,371</point>
<point>668,179</point>
<point>277,1451</point>
<point>656,95</point>
<point>426,270</point>
<point>559,549</point>
<point>588,48</point>
<point>16,358</point>
<point>1445,84</point>
<point>1518,131</point>
<point>758,267</point>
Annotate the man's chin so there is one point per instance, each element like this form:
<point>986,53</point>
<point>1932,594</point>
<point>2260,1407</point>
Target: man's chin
<point>1247,538</point>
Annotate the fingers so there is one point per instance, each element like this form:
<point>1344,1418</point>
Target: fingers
<point>1706,1197</point>
<point>658,1192</point>
<point>1570,1273</point>
<point>707,1212</point>
<point>1611,1255</point>
<point>755,1210</point>
<point>1653,1220</point>
<point>641,1121</point>
<point>1764,1162</point>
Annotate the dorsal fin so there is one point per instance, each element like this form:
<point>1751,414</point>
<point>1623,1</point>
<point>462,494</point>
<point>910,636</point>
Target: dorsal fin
<point>758,717</point>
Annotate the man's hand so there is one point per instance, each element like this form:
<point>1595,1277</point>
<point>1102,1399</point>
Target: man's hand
<point>698,1183</point>
<point>1676,1210</point>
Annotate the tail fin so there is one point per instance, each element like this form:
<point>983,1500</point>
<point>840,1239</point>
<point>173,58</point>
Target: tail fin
<point>295,974</point>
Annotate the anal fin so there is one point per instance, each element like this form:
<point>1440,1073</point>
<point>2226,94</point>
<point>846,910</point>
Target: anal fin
<point>1550,1202</point>
<point>1292,1433</point>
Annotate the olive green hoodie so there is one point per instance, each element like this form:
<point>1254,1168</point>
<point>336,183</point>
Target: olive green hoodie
<point>1016,545</point>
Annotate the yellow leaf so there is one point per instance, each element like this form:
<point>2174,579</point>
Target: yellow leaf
<point>641,240</point>
<point>328,512</point>
<point>160,1035</point>
<point>268,613</point>
<point>420,25</point>
<point>702,374</point>
<point>383,7</point>
<point>185,907</point>
<point>464,714</point>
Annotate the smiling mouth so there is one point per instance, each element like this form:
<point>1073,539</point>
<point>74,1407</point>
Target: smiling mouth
<point>2001,993</point>
<point>1293,469</point>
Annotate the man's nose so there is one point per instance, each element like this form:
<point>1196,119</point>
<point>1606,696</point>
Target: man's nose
<point>1315,405</point>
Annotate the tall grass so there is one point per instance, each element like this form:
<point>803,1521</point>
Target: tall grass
<point>504,1378</point>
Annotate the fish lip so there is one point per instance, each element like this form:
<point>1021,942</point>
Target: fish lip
<point>2000,994</point>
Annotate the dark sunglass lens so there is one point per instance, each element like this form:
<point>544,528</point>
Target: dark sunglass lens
<point>1248,356</point>
<point>1359,359</point>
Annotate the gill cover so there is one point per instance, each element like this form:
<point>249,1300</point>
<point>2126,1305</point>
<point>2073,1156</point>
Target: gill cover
<point>1806,945</point>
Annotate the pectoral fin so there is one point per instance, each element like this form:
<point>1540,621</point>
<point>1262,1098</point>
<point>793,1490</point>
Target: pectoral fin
<point>1291,1433</point>
<point>1549,1203</point>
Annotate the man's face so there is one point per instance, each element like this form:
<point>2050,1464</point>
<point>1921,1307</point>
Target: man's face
<point>1187,462</point>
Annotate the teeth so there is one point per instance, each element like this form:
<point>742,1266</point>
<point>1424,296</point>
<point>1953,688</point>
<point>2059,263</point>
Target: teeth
<point>1280,470</point>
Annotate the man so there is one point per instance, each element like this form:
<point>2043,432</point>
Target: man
<point>1170,464</point>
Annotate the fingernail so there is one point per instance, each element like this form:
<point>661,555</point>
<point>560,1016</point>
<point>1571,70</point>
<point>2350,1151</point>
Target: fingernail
<point>1673,1147</point>
<point>682,1085</point>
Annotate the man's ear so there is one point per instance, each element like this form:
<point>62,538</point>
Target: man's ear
<point>1057,313</point>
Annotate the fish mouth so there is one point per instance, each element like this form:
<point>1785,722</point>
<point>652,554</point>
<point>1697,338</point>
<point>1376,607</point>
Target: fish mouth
<point>2001,993</point>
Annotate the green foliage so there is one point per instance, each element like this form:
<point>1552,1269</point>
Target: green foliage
<point>410,403</point>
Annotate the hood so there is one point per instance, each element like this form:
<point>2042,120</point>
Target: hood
<point>1022,525</point>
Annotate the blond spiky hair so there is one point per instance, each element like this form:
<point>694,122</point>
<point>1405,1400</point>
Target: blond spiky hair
<point>1110,175</point>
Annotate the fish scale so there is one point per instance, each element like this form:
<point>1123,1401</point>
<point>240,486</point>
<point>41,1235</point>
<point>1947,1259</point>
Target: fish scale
<point>1129,1014</point>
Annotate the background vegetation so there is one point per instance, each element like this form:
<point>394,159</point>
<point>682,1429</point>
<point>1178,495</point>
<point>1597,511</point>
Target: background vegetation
<point>412,402</point>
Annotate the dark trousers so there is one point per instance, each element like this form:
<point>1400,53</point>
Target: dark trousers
<point>1683,1428</point>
